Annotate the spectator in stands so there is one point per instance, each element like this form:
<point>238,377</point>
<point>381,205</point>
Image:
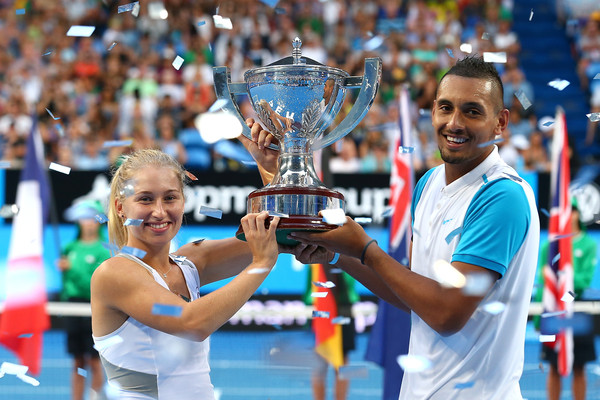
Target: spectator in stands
<point>536,156</point>
<point>167,141</point>
<point>519,125</point>
<point>514,80</point>
<point>346,161</point>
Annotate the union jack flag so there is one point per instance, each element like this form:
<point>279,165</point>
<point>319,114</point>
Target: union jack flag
<point>558,272</point>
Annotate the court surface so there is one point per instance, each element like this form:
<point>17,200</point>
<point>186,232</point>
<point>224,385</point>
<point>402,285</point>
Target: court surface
<point>268,365</point>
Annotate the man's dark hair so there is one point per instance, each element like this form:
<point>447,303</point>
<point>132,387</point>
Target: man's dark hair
<point>473,66</point>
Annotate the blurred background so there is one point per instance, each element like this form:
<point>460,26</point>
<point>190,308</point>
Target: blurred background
<point>94,99</point>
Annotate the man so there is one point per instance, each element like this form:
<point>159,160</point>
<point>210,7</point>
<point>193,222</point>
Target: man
<point>473,212</point>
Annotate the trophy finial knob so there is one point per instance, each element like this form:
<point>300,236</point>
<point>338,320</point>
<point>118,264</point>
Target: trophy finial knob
<point>297,50</point>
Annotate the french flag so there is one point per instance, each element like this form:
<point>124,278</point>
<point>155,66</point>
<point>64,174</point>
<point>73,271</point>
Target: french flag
<point>24,318</point>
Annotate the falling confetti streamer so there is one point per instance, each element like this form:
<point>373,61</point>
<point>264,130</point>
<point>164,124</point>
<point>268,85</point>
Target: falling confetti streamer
<point>494,57</point>
<point>133,251</point>
<point>494,308</point>
<point>52,115</point>
<point>82,372</point>
<point>411,363</point>
<point>334,216</point>
<point>522,97</point>
<point>406,149</point>
<point>320,314</point>
<point>133,222</point>
<point>127,7</point>
<point>559,84</point>
<point>363,220</point>
<point>531,14</point>
<point>117,143</point>
<point>341,320</point>
<point>454,233</point>
<point>101,218</point>
<point>547,338</point>
<point>178,62</point>
<point>20,11</point>
<point>568,297</point>
<point>593,117</point>
<point>112,46</point>
<point>222,23</point>
<point>491,142</point>
<point>320,295</point>
<point>255,271</point>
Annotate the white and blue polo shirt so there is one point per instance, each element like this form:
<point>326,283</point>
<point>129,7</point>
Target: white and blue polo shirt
<point>487,218</point>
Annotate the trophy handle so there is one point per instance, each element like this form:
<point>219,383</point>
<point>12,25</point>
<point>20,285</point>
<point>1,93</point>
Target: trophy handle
<point>369,83</point>
<point>227,90</point>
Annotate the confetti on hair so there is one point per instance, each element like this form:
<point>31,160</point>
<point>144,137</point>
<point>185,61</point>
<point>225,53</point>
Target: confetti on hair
<point>211,212</point>
<point>454,233</point>
<point>191,176</point>
<point>363,220</point>
<point>494,308</point>
<point>167,310</point>
<point>81,31</point>
<point>339,320</point>
<point>9,210</point>
<point>133,222</point>
<point>52,115</point>
<point>178,62</point>
<point>133,251</point>
<point>334,216</point>
<point>117,143</point>
<point>406,149</point>
<point>522,97</point>
<point>491,142</point>
<point>82,372</point>
<point>411,363</point>
<point>593,117</point>
<point>559,84</point>
<point>127,7</point>
<point>222,23</point>
<point>327,285</point>
<point>320,314</point>
<point>494,57</point>
<point>319,295</point>
<point>60,168</point>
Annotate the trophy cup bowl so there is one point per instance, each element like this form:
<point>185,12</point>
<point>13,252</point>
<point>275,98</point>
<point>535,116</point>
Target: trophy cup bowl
<point>297,99</point>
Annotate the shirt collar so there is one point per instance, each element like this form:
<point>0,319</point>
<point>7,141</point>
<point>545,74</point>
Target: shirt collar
<point>475,174</point>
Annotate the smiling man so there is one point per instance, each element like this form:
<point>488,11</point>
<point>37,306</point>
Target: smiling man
<point>475,213</point>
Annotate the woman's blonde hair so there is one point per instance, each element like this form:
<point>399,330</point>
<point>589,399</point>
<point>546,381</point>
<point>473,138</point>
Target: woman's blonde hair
<point>123,178</point>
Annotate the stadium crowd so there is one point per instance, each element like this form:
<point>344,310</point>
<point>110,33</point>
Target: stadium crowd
<point>120,84</point>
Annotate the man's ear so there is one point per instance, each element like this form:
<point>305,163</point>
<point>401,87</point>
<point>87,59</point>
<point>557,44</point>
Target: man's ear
<point>503,118</point>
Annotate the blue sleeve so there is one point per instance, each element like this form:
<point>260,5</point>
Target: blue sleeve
<point>495,226</point>
<point>417,192</point>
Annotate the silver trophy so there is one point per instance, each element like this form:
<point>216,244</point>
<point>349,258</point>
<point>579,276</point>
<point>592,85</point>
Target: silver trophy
<point>297,99</point>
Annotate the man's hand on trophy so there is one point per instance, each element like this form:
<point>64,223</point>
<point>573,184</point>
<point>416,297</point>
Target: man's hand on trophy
<point>258,147</point>
<point>348,239</point>
<point>308,254</point>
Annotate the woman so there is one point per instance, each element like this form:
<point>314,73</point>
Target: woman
<point>149,323</point>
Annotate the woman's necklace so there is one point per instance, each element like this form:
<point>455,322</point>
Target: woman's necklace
<point>165,274</point>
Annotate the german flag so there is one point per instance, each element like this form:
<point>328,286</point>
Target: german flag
<point>328,336</point>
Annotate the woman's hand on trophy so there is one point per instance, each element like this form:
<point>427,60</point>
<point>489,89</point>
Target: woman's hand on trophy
<point>260,136</point>
<point>348,239</point>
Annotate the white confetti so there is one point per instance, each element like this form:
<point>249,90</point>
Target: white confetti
<point>341,320</point>
<point>278,214</point>
<point>494,57</point>
<point>466,48</point>
<point>327,284</point>
<point>136,10</point>
<point>9,210</point>
<point>363,220</point>
<point>320,314</point>
<point>29,379</point>
<point>82,372</point>
<point>127,7</point>
<point>218,105</point>
<point>12,369</point>
<point>320,295</point>
<point>568,297</point>
<point>60,168</point>
<point>411,363</point>
<point>559,84</point>
<point>519,94</point>
<point>81,31</point>
<point>222,23</point>
<point>254,271</point>
<point>448,276</point>
<point>334,216</point>
<point>133,251</point>
<point>494,308</point>
<point>405,149</point>
<point>117,143</point>
<point>477,284</point>
<point>594,117</point>
<point>531,14</point>
<point>547,338</point>
<point>178,62</point>
<point>553,314</point>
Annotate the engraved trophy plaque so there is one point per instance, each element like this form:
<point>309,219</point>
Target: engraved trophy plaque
<point>297,99</point>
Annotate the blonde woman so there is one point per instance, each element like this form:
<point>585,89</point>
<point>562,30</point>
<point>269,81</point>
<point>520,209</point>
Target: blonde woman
<point>149,323</point>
